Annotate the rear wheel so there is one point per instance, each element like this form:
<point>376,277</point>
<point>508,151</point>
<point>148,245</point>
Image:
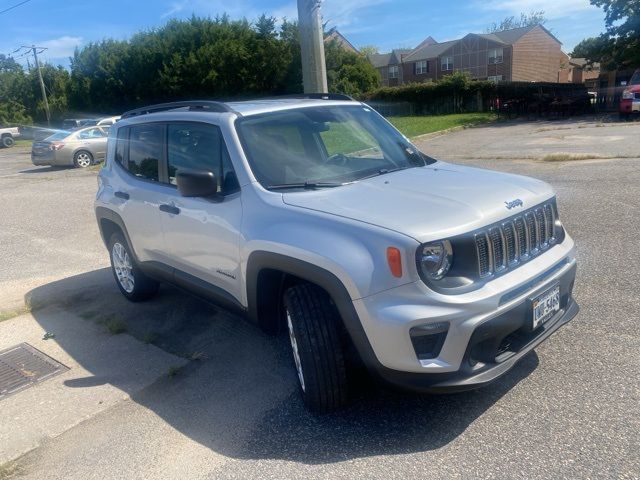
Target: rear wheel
<point>82,159</point>
<point>7,141</point>
<point>133,284</point>
<point>312,322</point>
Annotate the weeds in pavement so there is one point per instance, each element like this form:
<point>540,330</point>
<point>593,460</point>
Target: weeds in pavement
<point>9,470</point>
<point>150,337</point>
<point>563,157</point>
<point>114,325</point>
<point>173,371</point>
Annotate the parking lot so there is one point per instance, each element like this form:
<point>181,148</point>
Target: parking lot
<point>224,403</point>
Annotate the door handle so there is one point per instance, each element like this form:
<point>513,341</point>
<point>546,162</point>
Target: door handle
<point>122,195</point>
<point>172,209</point>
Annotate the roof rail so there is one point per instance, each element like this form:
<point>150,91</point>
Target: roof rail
<point>320,96</point>
<point>192,105</point>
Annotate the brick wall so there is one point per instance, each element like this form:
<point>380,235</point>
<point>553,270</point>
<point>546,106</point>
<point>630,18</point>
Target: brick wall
<point>536,57</point>
<point>470,56</point>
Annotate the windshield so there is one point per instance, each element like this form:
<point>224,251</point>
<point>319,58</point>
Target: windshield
<point>635,80</point>
<point>318,145</point>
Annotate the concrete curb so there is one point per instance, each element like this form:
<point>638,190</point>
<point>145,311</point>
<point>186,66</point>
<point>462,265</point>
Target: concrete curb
<point>439,133</point>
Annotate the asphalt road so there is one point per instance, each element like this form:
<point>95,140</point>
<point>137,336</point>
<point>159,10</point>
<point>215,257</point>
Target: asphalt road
<point>569,410</point>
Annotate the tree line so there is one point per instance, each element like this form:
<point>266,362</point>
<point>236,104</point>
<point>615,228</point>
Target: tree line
<point>200,57</point>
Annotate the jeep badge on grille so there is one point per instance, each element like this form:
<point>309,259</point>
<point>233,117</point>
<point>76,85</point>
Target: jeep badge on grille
<point>514,203</point>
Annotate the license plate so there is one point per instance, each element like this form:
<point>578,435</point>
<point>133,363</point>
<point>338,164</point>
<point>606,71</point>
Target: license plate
<point>545,306</point>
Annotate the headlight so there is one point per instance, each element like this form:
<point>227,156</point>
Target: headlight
<point>627,95</point>
<point>434,259</point>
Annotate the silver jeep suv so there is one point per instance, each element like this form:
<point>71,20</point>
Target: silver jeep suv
<point>315,216</point>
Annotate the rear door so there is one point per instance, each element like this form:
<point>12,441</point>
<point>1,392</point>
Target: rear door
<point>137,189</point>
<point>202,234</point>
<point>94,140</point>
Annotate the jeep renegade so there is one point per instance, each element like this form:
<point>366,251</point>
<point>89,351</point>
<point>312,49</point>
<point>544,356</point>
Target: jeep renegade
<point>315,216</point>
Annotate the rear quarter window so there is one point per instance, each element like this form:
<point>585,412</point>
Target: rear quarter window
<point>121,146</point>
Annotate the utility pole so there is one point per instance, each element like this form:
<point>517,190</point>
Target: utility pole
<point>314,68</point>
<point>33,48</point>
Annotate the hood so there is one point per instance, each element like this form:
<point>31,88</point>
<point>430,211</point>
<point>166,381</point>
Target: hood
<point>428,203</point>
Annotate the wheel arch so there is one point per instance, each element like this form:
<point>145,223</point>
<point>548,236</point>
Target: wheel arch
<point>268,274</point>
<point>109,223</point>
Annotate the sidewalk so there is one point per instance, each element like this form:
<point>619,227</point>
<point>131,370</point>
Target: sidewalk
<point>103,370</point>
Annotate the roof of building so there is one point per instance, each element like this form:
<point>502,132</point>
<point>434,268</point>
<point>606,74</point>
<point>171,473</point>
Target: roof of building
<point>379,59</point>
<point>512,36</point>
<point>431,51</point>
<point>334,34</point>
<point>398,54</point>
<point>583,63</point>
<point>427,41</point>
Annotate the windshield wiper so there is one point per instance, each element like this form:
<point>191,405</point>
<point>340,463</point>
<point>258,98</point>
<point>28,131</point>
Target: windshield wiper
<point>308,185</point>
<point>382,171</point>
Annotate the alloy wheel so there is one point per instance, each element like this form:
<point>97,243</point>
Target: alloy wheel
<point>294,349</point>
<point>123,267</point>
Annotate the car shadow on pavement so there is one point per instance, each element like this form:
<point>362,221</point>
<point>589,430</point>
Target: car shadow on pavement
<point>238,396</point>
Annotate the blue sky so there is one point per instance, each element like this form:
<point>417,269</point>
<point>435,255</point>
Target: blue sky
<point>61,25</point>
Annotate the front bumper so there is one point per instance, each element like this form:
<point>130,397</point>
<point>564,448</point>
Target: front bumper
<point>489,330</point>
<point>629,105</point>
<point>474,372</point>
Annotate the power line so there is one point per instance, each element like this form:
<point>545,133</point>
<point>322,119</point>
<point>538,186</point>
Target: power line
<point>14,6</point>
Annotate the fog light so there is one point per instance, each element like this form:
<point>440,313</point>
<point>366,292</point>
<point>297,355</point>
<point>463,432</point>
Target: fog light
<point>428,339</point>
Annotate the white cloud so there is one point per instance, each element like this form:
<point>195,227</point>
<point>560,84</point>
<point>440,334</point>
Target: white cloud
<point>345,13</point>
<point>175,7</point>
<point>60,47</point>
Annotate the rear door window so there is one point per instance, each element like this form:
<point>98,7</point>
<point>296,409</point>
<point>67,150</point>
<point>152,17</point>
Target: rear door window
<point>145,150</point>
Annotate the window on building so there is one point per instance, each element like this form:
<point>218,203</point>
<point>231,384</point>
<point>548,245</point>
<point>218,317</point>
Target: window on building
<point>446,63</point>
<point>394,71</point>
<point>422,67</point>
<point>495,56</point>
<point>495,78</point>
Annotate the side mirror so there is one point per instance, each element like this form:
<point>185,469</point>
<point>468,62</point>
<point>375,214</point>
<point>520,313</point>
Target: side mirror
<point>197,183</point>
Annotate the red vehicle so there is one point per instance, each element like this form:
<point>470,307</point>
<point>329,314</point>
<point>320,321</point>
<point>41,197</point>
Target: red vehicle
<point>630,101</point>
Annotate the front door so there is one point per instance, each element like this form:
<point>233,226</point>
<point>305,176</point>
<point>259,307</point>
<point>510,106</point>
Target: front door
<point>202,235</point>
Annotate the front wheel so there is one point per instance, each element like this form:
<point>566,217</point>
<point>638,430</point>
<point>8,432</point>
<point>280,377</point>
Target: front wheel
<point>8,141</point>
<point>82,159</point>
<point>132,283</point>
<point>312,322</point>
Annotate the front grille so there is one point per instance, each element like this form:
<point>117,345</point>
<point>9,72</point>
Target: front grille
<point>520,238</point>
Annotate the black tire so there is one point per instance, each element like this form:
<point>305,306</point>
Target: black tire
<point>140,287</point>
<point>312,322</point>
<point>82,159</point>
<point>7,141</point>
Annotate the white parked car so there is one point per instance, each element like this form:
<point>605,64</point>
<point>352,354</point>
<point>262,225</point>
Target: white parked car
<point>107,121</point>
<point>8,136</point>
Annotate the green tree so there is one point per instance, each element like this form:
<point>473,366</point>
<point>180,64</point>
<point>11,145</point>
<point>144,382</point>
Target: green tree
<point>525,20</point>
<point>14,92</point>
<point>349,72</point>
<point>369,50</point>
<point>619,46</point>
